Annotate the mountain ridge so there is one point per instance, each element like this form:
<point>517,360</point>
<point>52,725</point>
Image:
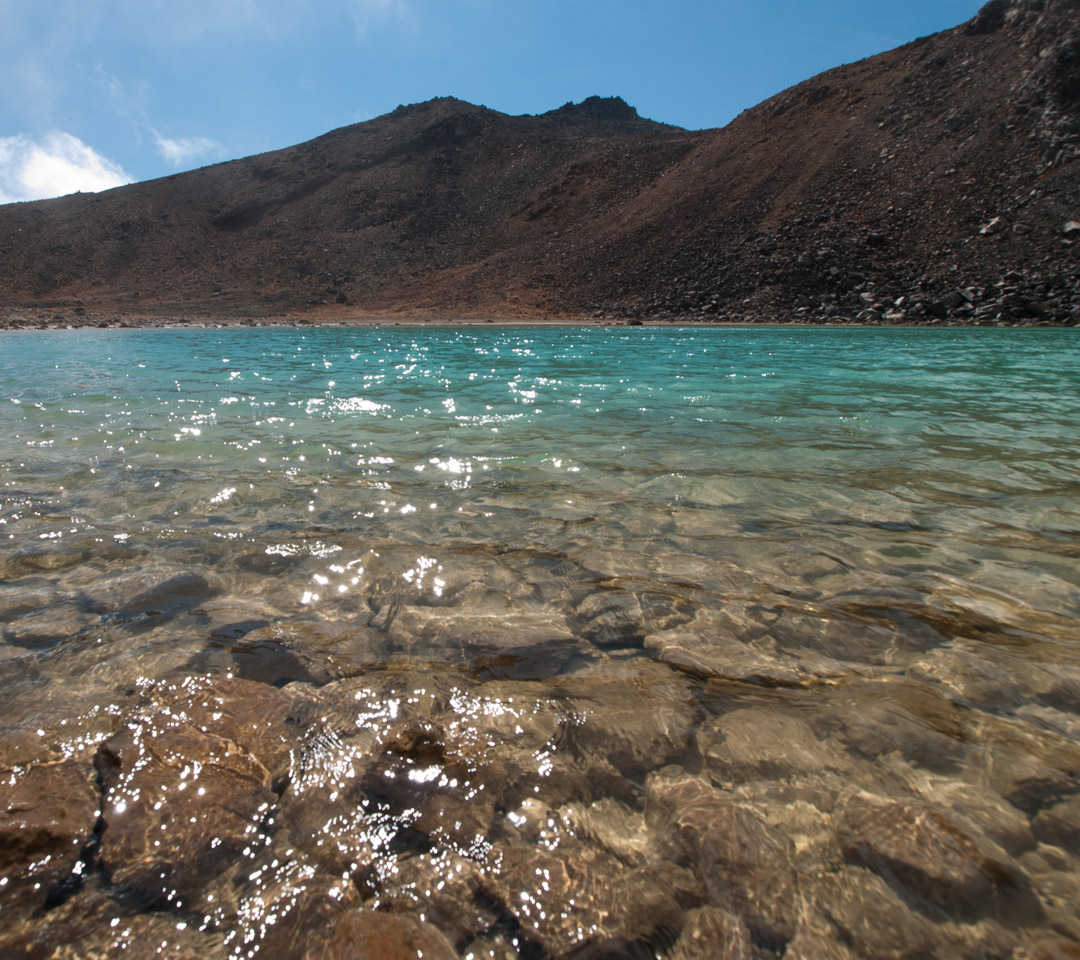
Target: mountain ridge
<point>932,183</point>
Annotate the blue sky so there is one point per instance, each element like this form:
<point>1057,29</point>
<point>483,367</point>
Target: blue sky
<point>94,93</point>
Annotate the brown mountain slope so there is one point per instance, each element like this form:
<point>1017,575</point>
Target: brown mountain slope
<point>941,175</point>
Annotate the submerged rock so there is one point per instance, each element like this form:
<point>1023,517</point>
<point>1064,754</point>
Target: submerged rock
<point>937,861</point>
<point>611,619</point>
<point>1060,825</point>
<point>727,659</point>
<point>379,936</point>
<point>150,592</point>
<point>891,714</point>
<point>305,651</point>
<point>852,912</point>
<point>48,813</point>
<point>519,643</point>
<point>968,676</point>
<point>187,783</point>
<point>976,807</point>
<point>442,888</point>
<point>710,932</point>
<point>755,743</point>
<point>578,902</point>
<point>636,715</point>
<point>47,627</point>
<point>739,859</point>
<point>613,826</point>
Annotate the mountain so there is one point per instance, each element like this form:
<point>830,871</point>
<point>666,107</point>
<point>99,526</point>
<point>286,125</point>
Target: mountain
<point>936,182</point>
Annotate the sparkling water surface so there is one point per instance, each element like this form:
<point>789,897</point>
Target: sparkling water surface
<point>540,642</point>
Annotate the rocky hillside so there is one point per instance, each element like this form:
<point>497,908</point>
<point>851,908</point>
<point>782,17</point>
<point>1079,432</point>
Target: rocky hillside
<point>934,183</point>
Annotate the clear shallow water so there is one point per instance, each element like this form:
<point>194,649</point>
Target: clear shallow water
<point>540,643</point>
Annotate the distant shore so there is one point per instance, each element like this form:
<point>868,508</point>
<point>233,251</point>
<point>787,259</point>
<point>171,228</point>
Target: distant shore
<point>58,320</point>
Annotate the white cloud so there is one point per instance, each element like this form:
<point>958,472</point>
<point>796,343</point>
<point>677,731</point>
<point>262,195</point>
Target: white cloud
<point>54,166</point>
<point>183,150</point>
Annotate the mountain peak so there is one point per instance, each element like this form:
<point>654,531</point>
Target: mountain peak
<point>598,108</point>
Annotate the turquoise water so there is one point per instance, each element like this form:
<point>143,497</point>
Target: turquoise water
<point>632,581</point>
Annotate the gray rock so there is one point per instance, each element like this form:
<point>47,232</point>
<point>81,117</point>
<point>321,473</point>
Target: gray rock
<point>997,225</point>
